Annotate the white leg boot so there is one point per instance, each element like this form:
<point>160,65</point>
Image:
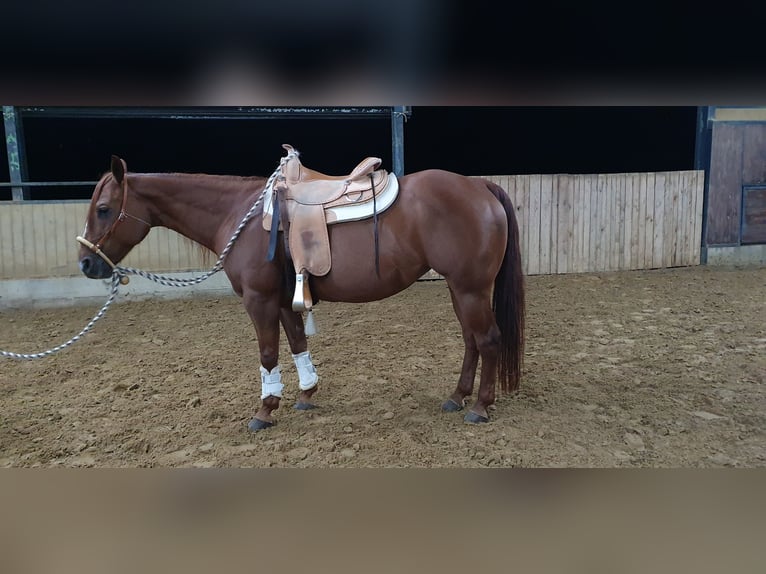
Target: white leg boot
<point>307,373</point>
<point>271,383</point>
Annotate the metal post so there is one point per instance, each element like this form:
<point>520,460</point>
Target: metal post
<point>398,116</point>
<point>12,140</point>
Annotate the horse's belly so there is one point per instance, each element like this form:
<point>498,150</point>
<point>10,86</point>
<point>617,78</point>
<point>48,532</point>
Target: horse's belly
<point>360,283</point>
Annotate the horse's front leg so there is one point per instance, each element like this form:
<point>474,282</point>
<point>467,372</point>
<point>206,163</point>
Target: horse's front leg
<point>264,313</point>
<point>307,373</point>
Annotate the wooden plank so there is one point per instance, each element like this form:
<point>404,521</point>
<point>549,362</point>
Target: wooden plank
<point>699,193</point>
<point>546,208</point>
<point>534,224</point>
<point>161,256</point>
<point>555,216</point>
<point>34,240</point>
<point>7,257</point>
<point>625,224</point>
<point>522,192</point>
<point>593,222</point>
<point>635,222</point>
<point>694,226</point>
<point>518,204</point>
<point>618,222</point>
<point>158,251</point>
<point>605,214</point>
<point>754,216</point>
<point>678,222</point>
<point>575,183</point>
<point>724,195</point>
<point>509,184</point>
<point>602,213</point>
<point>56,220</point>
<point>77,215</point>
<point>603,222</point>
<point>689,214</point>
<point>683,240</point>
<point>649,222</point>
<point>754,154</point>
<point>627,219</point>
<point>70,224</point>
<point>670,228</point>
<point>27,233</point>
<point>175,246</point>
<point>585,223</point>
<point>522,208</point>
<point>565,232</point>
<point>170,259</point>
<point>554,233</point>
<point>47,240</point>
<point>612,230</point>
<point>660,189</point>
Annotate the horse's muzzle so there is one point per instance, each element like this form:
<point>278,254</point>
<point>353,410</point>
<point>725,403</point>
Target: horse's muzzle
<point>94,267</point>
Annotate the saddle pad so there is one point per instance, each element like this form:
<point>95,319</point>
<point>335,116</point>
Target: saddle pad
<point>350,212</point>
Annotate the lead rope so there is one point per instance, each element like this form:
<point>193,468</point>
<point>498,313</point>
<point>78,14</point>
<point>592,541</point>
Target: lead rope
<point>120,274</point>
<point>88,327</point>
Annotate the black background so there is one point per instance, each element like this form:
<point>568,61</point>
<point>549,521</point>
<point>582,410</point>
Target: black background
<point>473,140</point>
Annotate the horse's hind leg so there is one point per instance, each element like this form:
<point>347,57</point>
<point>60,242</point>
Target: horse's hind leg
<point>481,335</point>
<point>456,401</point>
<point>307,374</point>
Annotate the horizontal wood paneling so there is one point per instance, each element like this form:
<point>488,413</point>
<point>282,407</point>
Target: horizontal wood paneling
<point>568,224</point>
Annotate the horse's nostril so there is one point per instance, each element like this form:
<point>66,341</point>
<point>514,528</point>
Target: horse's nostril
<point>85,264</point>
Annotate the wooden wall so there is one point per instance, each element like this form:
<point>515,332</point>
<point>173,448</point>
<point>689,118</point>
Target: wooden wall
<point>738,161</point>
<point>568,223</point>
<point>607,222</point>
<point>37,239</point>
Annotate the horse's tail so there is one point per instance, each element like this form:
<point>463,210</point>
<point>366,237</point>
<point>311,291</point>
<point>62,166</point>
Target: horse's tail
<point>508,300</point>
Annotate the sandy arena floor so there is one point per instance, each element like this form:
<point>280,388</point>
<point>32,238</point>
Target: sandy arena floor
<point>637,369</point>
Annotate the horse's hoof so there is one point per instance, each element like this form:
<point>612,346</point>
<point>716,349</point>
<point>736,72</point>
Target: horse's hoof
<point>257,424</point>
<point>304,406</point>
<point>450,406</point>
<point>472,417</point>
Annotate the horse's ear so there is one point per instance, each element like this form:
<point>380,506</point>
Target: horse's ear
<point>118,168</point>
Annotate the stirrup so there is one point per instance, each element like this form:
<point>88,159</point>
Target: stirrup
<point>302,297</point>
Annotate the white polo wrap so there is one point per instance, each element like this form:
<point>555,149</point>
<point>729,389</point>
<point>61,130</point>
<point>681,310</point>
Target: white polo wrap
<point>307,373</point>
<point>271,383</point>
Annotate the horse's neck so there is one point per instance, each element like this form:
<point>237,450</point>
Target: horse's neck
<point>203,208</point>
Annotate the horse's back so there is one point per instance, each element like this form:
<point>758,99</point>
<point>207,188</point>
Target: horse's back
<point>452,193</point>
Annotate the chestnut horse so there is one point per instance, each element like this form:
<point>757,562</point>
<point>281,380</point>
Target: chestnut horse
<point>464,228</point>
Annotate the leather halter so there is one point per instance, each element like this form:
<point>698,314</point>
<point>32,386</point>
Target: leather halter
<point>123,215</point>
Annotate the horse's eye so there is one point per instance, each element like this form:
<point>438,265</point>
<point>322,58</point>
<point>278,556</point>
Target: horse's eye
<point>103,210</point>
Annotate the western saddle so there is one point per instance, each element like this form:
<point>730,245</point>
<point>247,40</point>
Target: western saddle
<point>304,202</point>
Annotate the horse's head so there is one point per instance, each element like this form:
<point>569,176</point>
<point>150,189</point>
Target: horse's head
<point>110,231</point>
